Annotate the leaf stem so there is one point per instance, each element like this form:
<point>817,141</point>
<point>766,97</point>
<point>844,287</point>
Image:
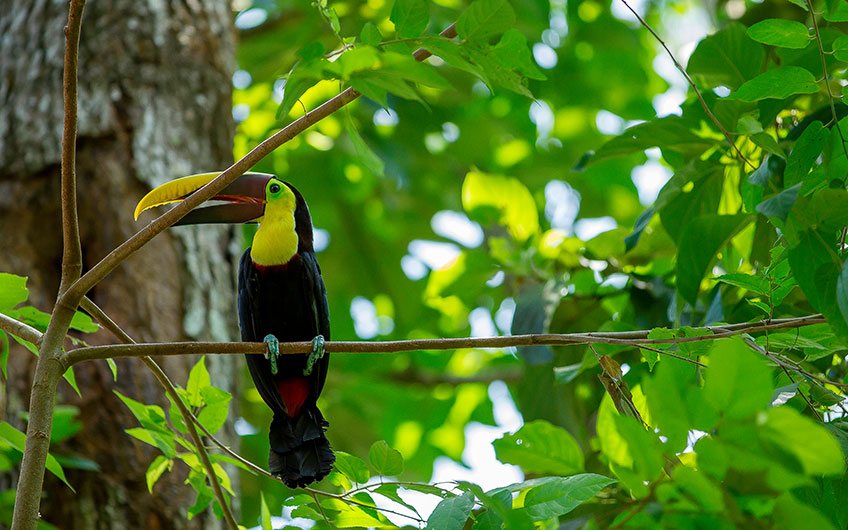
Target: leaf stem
<point>689,80</point>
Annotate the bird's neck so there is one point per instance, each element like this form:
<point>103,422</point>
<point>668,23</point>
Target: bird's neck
<point>275,242</point>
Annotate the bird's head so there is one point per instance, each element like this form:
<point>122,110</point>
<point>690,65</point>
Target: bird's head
<point>260,198</point>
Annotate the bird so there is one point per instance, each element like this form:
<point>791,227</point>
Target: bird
<point>281,297</point>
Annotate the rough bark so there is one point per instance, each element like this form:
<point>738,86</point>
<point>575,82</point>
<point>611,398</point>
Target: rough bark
<point>154,104</point>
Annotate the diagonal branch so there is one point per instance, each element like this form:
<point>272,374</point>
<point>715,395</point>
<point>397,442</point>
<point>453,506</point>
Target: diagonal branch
<point>188,418</point>
<point>80,288</point>
<point>19,329</point>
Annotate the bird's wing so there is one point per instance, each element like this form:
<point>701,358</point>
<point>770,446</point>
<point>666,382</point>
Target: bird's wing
<point>249,313</point>
<point>314,285</point>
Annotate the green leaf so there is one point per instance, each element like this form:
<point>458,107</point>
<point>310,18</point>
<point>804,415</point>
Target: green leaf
<point>512,50</point>
<point>65,423</point>
<point>198,378</point>
<point>842,291</point>
<point>780,205</point>
<point>13,290</point>
<point>701,239</point>
<point>352,467</point>
<point>563,494</point>
<point>810,442</point>
<point>778,83</point>
<point>451,513</point>
<point>352,516</point>
<point>749,282</point>
<point>155,470</point>
<point>497,72</point>
<point>17,440</point>
<point>213,415</point>
<point>455,55</point>
<point>484,19</point>
<point>304,76</point>
<point>509,198</point>
<point>727,58</point>
<point>792,514</point>
<point>837,11</point>
<point>84,323</point>
<point>370,35</point>
<point>672,133</point>
<point>673,398</point>
<point>780,32</point>
<point>410,17</point>
<point>738,383</point>
<point>364,153</point>
<point>264,513</point>
<point>541,448</point>
<point>840,48</point>
<point>384,459</point>
<point>817,269</point>
<point>807,149</point>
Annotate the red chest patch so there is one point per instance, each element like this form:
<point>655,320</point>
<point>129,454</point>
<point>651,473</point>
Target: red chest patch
<point>294,392</point>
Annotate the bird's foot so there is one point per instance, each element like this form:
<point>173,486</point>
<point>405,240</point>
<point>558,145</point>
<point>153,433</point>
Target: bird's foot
<point>273,352</point>
<point>317,353</point>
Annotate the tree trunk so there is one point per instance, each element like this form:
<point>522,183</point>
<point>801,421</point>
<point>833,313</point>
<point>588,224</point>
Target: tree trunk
<point>155,103</point>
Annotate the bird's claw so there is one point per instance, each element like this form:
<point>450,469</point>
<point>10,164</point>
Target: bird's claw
<point>315,355</point>
<point>273,352</point>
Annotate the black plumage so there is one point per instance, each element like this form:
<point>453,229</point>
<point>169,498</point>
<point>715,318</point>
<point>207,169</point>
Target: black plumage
<point>289,301</point>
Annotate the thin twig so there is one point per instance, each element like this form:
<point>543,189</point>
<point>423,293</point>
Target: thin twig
<point>19,329</point>
<point>341,497</point>
<point>634,338</point>
<point>683,71</point>
<point>824,74</point>
<point>188,418</point>
<point>75,292</point>
<point>71,250</point>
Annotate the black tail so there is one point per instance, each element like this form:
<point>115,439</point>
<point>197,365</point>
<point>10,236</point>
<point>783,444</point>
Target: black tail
<point>300,453</point>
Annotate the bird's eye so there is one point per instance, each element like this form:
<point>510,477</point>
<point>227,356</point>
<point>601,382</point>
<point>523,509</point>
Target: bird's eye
<point>274,188</point>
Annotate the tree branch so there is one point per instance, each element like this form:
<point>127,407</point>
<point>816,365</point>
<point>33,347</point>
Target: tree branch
<point>91,278</point>
<point>19,329</point>
<point>634,338</point>
<point>188,418</point>
<point>72,253</point>
<point>48,368</point>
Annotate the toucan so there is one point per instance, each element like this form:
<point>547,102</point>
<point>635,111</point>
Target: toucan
<point>281,296</point>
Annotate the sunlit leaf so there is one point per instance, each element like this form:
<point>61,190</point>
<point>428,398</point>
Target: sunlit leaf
<point>780,32</point>
<point>738,383</point>
<point>563,494</point>
<point>778,83</point>
<point>410,17</point>
<point>484,19</point>
<point>540,447</point>
<point>451,513</point>
<point>384,459</point>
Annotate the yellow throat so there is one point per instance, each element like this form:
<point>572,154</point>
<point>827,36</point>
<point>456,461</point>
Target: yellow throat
<point>275,242</point>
